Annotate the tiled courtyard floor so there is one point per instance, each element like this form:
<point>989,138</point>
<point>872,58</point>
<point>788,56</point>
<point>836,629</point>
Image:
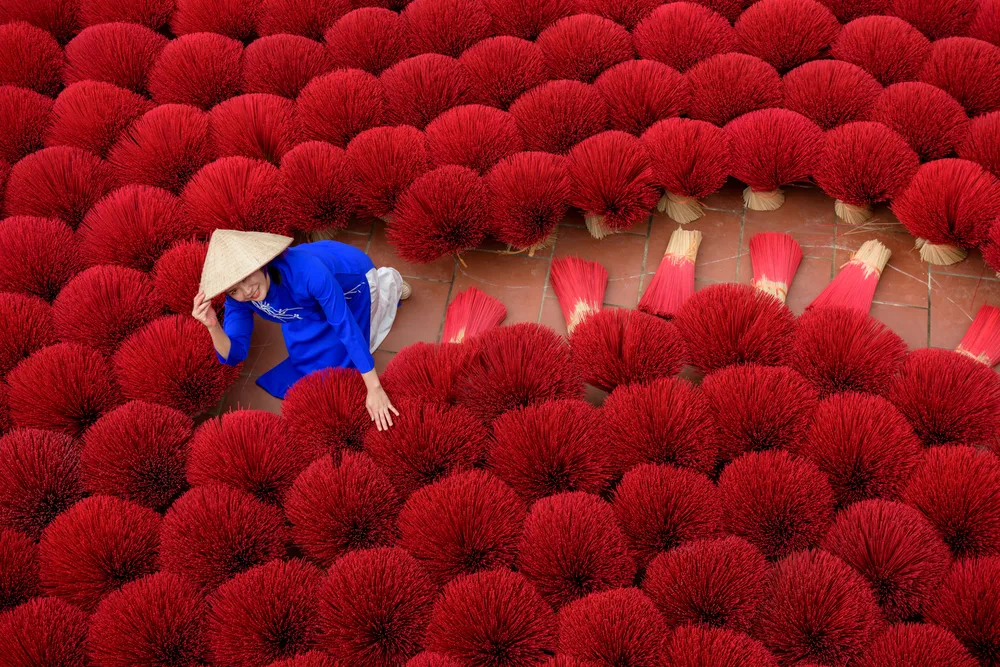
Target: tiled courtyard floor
<point>927,307</point>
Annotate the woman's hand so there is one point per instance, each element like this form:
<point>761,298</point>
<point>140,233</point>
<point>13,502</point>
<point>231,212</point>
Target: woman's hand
<point>203,311</point>
<point>380,408</point>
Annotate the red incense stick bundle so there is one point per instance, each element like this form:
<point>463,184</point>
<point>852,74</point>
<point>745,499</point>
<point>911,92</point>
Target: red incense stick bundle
<point>854,287</point>
<point>674,279</point>
<point>580,287</point>
<point>471,313</point>
<point>982,340</point>
<point>775,257</point>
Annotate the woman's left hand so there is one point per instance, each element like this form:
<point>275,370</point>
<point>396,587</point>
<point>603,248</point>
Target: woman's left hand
<point>380,408</point>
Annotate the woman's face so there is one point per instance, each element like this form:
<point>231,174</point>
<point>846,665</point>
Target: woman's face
<point>252,288</point>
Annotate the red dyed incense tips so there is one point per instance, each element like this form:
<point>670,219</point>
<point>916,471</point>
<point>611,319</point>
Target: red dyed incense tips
<point>775,257</point>
<point>674,279</point>
<point>854,287</point>
<point>579,286</point>
<point>471,313</point>
<point>982,340</point>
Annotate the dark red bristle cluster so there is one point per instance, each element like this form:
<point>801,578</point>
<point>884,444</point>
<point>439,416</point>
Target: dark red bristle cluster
<point>888,48</point>
<point>38,256</point>
<point>863,444</point>
<point>63,387</point>
<point>41,469</point>
<point>665,421</point>
<point>368,38</point>
<point>307,659</point>
<point>816,608</point>
<point>248,450</point>
<point>930,119</point>
<point>528,197</point>
<point>104,305</point>
<point>615,346</point>
<point>728,85</point>
<point>25,328</point>
<point>212,533</point>
<point>177,275</point>
<point>733,324</point>
<point>258,126</point>
<point>217,59</point>
<point>30,58</point>
<point>426,443</point>
<point>132,227</point>
<point>318,180</point>
<point>386,160</point>
<point>325,411</point>
<point>689,158</point>
<point>896,549</point>
<point>447,27</point>
<point>967,604</point>
<point>338,106</point>
<point>232,19</point>
<point>137,452</point>
<point>786,33</point>
<point>948,398</point>
<point>958,489</point>
<point>695,646</point>
<point>374,606</point>
<point>473,136</point>
<point>572,547</point>
<point>92,115</point>
<point>465,523</point>
<point>304,19</point>
<point>624,12</point>
<point>419,89</point>
<point>850,10</point>
<point>492,618</point>
<point>986,24</point>
<point>778,502</point>
<point>581,46</point>
<point>557,115</point>
<point>283,65</point>
<point>47,629</point>
<point>154,14</point>
<point>235,193</point>
<point>514,367</point>
<point>118,53</point>
<point>429,372</point>
<point>681,34</point>
<point>936,18</point>
<point>24,115</point>
<point>550,448</point>
<point>270,612</point>
<point>641,92</point>
<point>612,627</point>
<point>59,182</point>
<point>528,19</point>
<point>968,70</point>
<point>18,569</point>
<point>830,92</point>
<point>95,547</point>
<point>337,508</point>
<point>712,583</point>
<point>773,147</point>
<point>503,68</point>
<point>660,507</point>
<point>442,213</point>
<point>916,645</point>
<point>159,614</point>
<point>981,143</point>
<point>187,375</point>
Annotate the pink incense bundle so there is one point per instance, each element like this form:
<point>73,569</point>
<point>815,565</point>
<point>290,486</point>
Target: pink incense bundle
<point>982,340</point>
<point>771,148</point>
<point>579,286</point>
<point>863,164</point>
<point>612,182</point>
<point>854,287</point>
<point>674,279</point>
<point>471,313</point>
<point>775,258</point>
<point>690,160</point>
<point>830,92</point>
<point>888,48</point>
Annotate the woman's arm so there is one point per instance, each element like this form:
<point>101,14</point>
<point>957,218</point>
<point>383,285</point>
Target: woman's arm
<point>380,408</point>
<point>232,346</point>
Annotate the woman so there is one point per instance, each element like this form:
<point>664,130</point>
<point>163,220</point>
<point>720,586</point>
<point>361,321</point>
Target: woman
<point>334,307</point>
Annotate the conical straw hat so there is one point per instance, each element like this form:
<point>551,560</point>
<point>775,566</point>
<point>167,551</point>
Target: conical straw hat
<point>233,255</point>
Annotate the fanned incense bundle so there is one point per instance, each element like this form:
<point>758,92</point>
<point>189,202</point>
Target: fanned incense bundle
<point>775,257</point>
<point>854,287</point>
<point>982,340</point>
<point>674,279</point>
<point>580,287</point>
<point>471,313</point>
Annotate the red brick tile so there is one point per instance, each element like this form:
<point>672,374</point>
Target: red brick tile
<point>517,280</point>
<point>813,275</point>
<point>729,198</point>
<point>552,316</point>
<point>246,395</point>
<point>719,252</point>
<point>621,254</point>
<point>955,300</point>
<point>420,317</point>
<point>807,215</point>
<point>909,323</point>
<point>904,280</point>
<point>383,254</point>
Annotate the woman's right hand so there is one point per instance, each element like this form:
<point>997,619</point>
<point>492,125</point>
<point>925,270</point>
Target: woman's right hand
<point>204,312</point>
